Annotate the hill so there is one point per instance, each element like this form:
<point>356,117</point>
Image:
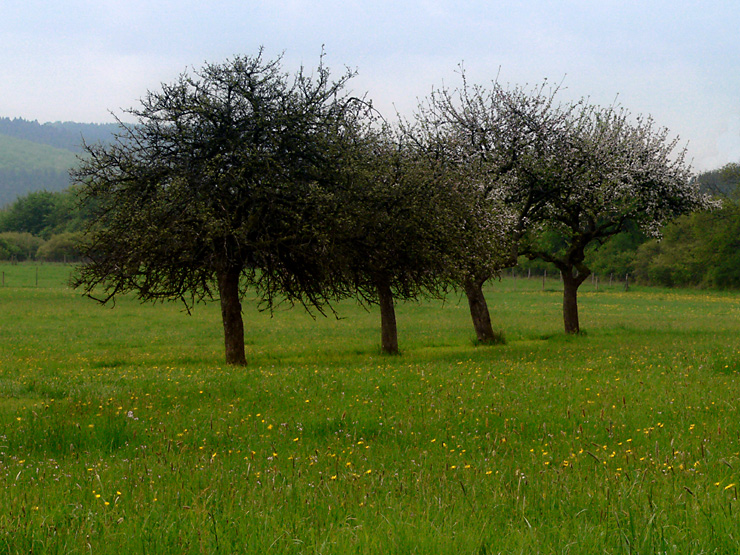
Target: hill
<point>35,157</point>
<point>66,135</point>
<point>26,166</point>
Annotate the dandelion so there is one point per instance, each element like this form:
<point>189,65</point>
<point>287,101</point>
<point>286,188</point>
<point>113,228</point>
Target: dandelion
<point>728,486</point>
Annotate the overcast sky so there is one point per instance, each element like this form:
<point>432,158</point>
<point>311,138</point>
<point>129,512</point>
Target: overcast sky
<point>79,60</point>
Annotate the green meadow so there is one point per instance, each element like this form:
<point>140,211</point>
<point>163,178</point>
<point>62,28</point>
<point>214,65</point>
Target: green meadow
<point>121,431</point>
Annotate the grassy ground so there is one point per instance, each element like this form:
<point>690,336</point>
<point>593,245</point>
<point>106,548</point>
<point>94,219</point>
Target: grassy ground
<point>122,432</point>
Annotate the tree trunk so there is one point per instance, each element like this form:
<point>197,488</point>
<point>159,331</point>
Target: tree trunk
<point>479,313</point>
<point>231,314</point>
<point>388,331</point>
<point>570,300</point>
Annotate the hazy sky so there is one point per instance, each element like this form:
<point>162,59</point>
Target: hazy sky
<point>677,60</point>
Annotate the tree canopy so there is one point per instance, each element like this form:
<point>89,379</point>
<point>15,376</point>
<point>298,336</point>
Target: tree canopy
<point>571,175</point>
<point>216,188</point>
<point>238,176</point>
<point>408,221</point>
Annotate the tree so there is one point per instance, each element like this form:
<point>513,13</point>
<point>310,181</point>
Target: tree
<point>62,247</point>
<point>395,230</point>
<point>19,246</point>
<point>215,188</point>
<point>607,171</point>
<point>723,182</point>
<point>488,135</point>
<point>700,249</point>
<point>571,175</point>
<point>43,214</point>
<point>30,213</point>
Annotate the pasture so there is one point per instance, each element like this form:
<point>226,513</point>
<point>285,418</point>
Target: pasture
<point>122,432</point>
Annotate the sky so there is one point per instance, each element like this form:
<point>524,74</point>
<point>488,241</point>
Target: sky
<point>679,61</point>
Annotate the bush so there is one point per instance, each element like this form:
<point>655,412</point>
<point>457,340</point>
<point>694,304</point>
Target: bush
<point>60,248</point>
<point>19,246</point>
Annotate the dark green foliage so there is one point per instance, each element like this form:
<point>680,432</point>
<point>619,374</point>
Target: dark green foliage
<point>724,181</point>
<point>398,220</point>
<point>702,249</point>
<point>617,256</point>
<point>401,224</point>
<point>45,213</point>
<point>19,246</point>
<point>64,247</point>
<point>217,173</point>
<point>220,185</point>
<point>30,213</point>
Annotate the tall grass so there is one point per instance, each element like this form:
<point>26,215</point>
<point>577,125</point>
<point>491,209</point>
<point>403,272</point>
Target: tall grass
<point>122,432</point>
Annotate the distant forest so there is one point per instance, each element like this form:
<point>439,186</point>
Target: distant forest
<point>66,135</point>
<point>37,157</point>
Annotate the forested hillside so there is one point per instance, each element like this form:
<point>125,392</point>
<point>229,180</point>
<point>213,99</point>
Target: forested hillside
<point>66,135</point>
<point>26,166</point>
<point>37,157</point>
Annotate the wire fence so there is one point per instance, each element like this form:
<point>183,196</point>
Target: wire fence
<point>39,275</point>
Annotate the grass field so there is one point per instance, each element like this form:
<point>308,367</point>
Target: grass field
<point>122,432</point>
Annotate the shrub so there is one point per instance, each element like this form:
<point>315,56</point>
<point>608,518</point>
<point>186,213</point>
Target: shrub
<point>19,245</point>
<point>63,247</point>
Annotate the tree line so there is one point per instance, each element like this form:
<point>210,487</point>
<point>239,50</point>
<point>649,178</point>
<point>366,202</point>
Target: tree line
<point>65,135</point>
<point>239,175</point>
<point>43,225</point>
